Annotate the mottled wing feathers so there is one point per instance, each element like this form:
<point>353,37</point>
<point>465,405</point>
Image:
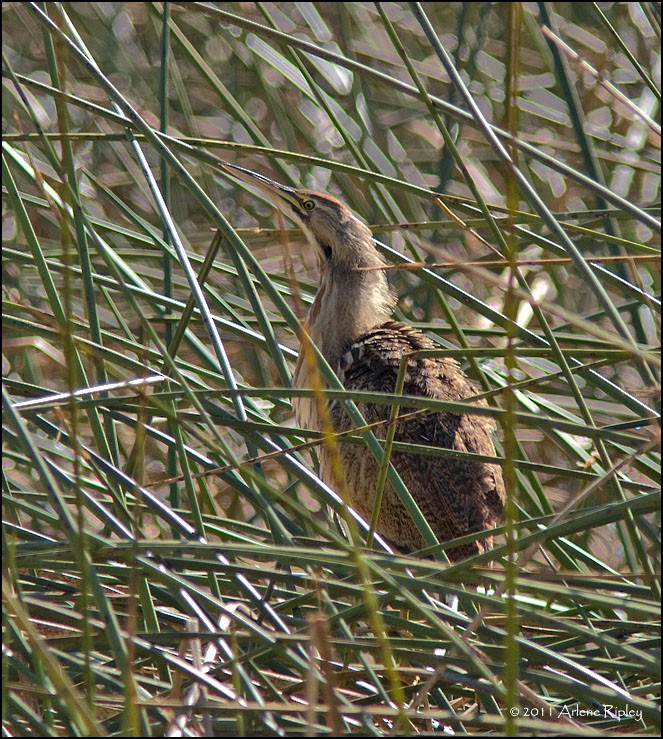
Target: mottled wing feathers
<point>457,496</point>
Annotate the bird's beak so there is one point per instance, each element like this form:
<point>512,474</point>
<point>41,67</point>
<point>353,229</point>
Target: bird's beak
<point>282,196</point>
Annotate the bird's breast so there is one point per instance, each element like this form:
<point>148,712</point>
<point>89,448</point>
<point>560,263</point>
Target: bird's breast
<point>305,408</point>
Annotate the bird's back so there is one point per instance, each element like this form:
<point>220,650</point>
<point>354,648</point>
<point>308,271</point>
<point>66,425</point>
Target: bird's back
<point>457,496</point>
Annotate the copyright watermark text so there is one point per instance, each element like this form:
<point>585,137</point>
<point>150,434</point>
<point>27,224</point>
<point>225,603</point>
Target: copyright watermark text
<point>576,711</point>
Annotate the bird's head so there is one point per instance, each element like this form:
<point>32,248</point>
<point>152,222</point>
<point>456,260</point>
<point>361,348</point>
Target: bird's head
<point>341,241</point>
<point>352,298</point>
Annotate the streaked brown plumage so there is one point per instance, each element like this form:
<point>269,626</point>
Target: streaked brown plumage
<point>350,323</point>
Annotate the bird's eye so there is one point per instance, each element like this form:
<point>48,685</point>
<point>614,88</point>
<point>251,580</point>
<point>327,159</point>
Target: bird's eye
<point>309,204</point>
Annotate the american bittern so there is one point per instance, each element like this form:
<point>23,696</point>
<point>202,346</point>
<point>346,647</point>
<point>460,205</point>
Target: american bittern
<point>349,322</point>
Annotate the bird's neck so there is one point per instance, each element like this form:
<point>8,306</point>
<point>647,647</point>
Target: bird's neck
<point>347,306</point>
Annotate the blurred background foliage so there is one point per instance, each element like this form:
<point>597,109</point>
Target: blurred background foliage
<point>172,563</point>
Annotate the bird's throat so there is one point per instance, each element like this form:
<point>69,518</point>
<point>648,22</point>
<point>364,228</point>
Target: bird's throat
<point>347,306</point>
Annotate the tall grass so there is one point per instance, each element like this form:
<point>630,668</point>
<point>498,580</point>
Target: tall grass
<point>173,563</point>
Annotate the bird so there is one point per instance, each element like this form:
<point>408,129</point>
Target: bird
<point>350,321</point>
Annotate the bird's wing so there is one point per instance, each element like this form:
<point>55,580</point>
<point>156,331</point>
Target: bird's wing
<point>456,495</point>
